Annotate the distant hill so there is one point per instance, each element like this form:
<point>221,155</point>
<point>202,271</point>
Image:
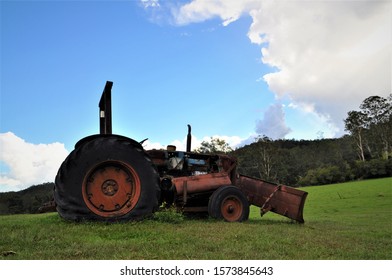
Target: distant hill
<point>26,201</point>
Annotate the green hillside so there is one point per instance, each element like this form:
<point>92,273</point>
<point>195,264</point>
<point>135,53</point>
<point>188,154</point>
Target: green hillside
<point>26,201</point>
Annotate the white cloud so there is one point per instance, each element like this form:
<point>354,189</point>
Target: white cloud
<point>201,10</point>
<point>27,163</point>
<point>328,55</point>
<point>148,145</point>
<point>180,145</point>
<point>273,123</point>
<point>150,3</point>
<point>312,124</point>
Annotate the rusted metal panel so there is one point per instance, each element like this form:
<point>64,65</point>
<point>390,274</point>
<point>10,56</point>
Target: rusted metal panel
<point>201,183</point>
<point>158,157</point>
<point>279,199</point>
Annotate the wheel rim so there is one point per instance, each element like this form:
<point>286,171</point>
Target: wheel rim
<point>231,209</point>
<point>111,189</point>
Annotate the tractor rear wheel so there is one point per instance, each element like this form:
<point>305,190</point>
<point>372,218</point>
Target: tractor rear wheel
<point>229,203</point>
<point>108,178</point>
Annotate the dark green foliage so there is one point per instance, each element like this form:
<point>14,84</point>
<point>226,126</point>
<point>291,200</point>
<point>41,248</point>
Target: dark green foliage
<point>26,201</point>
<point>292,160</point>
<point>327,175</point>
<point>375,168</point>
<point>302,163</point>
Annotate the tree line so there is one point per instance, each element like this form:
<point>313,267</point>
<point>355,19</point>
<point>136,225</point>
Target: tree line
<point>365,152</point>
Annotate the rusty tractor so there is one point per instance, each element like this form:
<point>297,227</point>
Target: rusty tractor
<point>110,177</point>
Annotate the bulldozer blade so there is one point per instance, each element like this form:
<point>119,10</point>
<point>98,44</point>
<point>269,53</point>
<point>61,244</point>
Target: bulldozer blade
<point>280,199</point>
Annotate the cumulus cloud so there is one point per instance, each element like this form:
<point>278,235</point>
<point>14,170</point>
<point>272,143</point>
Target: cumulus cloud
<point>150,3</point>
<point>201,10</point>
<point>328,56</point>
<point>273,123</point>
<point>28,164</point>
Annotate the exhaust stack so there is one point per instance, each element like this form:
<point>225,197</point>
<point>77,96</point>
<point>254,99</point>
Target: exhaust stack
<point>105,110</point>
<point>188,140</point>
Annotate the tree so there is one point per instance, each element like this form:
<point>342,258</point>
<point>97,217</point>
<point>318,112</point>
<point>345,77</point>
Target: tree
<point>378,111</point>
<point>371,127</point>
<point>356,124</point>
<point>265,158</point>
<point>215,145</point>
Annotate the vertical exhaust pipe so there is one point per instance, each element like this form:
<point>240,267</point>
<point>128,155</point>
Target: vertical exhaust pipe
<point>188,140</point>
<point>105,110</point>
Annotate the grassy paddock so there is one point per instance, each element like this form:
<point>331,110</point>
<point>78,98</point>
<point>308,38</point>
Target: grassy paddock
<point>343,221</point>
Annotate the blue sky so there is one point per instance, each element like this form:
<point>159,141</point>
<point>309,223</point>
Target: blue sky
<point>231,69</point>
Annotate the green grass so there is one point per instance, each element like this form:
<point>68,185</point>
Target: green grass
<point>343,221</point>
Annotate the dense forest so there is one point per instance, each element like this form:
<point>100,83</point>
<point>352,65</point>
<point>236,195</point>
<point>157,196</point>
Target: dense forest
<point>26,201</point>
<point>364,153</point>
<point>302,163</point>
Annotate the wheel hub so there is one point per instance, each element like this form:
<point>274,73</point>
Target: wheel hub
<point>111,189</point>
<point>231,209</point>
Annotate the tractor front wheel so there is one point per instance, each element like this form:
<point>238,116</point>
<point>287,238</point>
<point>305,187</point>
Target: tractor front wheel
<point>230,204</point>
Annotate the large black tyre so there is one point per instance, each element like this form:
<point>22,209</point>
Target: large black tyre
<point>107,178</point>
<point>230,204</point>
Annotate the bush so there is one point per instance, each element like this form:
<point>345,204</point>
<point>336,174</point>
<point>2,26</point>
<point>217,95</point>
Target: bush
<point>375,168</point>
<point>168,215</point>
<point>327,175</point>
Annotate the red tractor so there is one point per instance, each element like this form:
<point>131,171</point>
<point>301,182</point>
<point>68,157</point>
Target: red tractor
<point>110,177</point>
